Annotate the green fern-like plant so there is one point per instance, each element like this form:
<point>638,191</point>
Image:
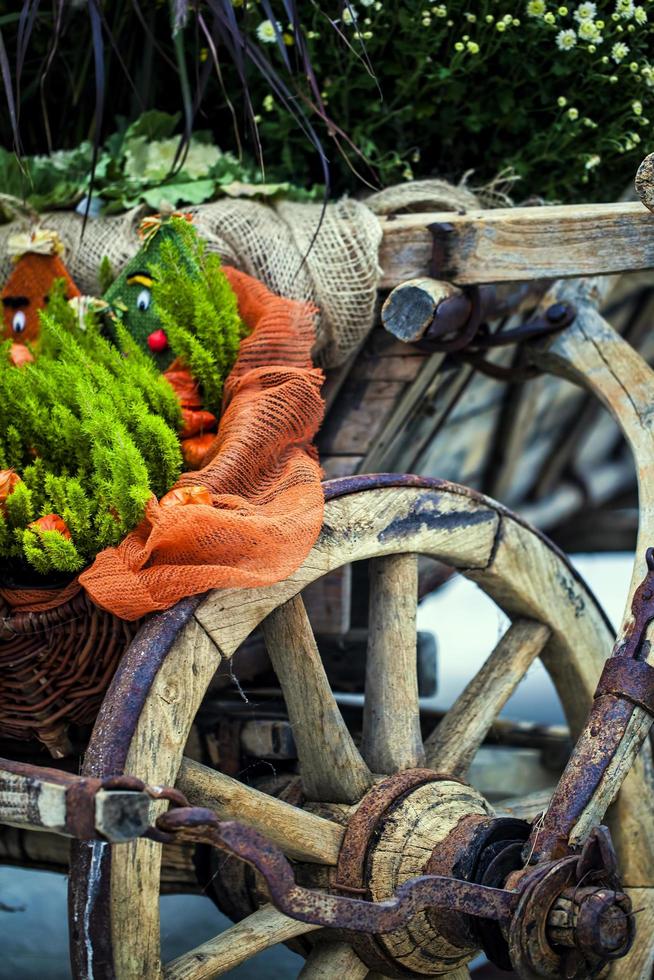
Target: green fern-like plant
<point>197,308</point>
<point>91,429</point>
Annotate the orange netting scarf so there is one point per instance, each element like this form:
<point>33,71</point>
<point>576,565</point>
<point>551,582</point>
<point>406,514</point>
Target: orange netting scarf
<point>262,473</point>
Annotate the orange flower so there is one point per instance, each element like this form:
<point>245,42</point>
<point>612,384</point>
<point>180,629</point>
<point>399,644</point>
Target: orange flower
<point>51,522</point>
<point>195,449</point>
<point>9,479</point>
<point>196,422</point>
<point>182,496</point>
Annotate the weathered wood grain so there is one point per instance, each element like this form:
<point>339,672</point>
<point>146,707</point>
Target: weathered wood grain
<point>409,310</point>
<point>592,354</point>
<point>391,715</point>
<point>155,754</point>
<point>518,244</point>
<point>527,807</point>
<point>452,745</point>
<point>406,843</point>
<point>262,929</point>
<point>638,964</point>
<point>299,834</point>
<point>330,764</point>
<point>333,961</point>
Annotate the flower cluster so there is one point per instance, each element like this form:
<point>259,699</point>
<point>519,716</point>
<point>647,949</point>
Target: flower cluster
<point>546,88</point>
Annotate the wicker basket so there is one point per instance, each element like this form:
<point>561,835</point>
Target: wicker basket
<point>55,667</point>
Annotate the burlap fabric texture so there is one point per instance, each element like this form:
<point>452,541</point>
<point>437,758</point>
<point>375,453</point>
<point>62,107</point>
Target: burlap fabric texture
<point>324,256</point>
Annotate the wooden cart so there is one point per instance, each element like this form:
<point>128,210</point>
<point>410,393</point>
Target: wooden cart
<point>369,851</point>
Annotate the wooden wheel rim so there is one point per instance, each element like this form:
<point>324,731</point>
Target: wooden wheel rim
<point>364,518</point>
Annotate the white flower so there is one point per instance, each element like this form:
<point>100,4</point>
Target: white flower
<point>585,11</point>
<point>565,40</point>
<point>367,3</point>
<point>641,15</point>
<point>349,15</point>
<point>536,8</point>
<point>593,162</point>
<point>266,31</point>
<point>619,52</point>
<point>589,31</point>
<point>625,9</point>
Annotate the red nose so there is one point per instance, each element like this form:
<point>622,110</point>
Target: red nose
<point>158,341</point>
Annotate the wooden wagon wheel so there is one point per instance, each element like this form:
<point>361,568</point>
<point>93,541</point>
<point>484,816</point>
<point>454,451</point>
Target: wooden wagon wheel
<point>147,715</point>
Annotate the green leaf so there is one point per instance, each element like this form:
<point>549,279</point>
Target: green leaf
<point>189,192</point>
<point>153,125</point>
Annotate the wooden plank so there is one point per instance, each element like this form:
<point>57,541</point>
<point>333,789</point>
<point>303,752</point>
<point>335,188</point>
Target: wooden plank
<point>335,466</point>
<point>358,416</point>
<point>328,602</point>
<point>518,244</point>
<point>333,960</point>
<point>391,713</point>
<point>300,835</point>
<point>35,797</point>
<point>330,765</point>
<point>264,928</point>
<point>452,745</point>
<point>155,753</point>
<point>403,408</point>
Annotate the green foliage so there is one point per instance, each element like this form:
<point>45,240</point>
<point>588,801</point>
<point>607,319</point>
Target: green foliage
<point>419,88</point>
<point>197,308</point>
<point>137,166</point>
<point>91,430</point>
<point>488,87</point>
<point>49,551</point>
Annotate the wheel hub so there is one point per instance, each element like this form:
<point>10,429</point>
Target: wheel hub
<point>426,876</point>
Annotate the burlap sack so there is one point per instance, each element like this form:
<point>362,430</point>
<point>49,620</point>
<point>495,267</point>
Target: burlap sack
<point>325,256</point>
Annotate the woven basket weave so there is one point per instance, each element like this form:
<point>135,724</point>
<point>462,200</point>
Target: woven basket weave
<point>55,667</point>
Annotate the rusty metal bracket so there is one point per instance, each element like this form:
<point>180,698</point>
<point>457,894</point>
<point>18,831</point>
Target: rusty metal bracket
<point>630,679</point>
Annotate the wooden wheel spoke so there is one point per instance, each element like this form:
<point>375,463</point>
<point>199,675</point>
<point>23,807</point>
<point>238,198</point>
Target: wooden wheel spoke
<point>330,764</point>
<point>333,961</point>
<point>391,714</point>
<point>301,835</point>
<point>259,931</point>
<point>452,746</point>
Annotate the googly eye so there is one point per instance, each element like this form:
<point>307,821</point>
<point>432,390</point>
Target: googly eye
<point>18,323</point>
<point>143,300</point>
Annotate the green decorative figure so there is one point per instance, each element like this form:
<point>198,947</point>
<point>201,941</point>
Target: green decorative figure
<point>130,294</point>
<point>176,302</point>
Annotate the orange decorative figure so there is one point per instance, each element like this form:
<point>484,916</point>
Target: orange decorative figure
<point>38,263</point>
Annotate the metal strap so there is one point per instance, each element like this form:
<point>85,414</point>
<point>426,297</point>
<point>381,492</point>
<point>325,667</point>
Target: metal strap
<point>630,679</point>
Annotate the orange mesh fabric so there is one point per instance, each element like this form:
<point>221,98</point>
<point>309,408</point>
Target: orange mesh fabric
<point>261,471</point>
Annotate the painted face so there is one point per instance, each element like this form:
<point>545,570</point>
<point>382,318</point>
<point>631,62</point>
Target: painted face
<point>131,297</point>
<point>26,292</point>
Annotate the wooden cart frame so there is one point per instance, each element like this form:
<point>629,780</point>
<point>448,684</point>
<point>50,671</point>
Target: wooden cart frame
<point>357,837</point>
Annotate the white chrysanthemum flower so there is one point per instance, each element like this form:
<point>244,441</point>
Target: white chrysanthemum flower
<point>585,11</point>
<point>625,9</point>
<point>640,15</point>
<point>349,15</point>
<point>266,31</point>
<point>566,40</point>
<point>619,52</point>
<point>589,31</point>
<point>593,161</point>
<point>536,8</point>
